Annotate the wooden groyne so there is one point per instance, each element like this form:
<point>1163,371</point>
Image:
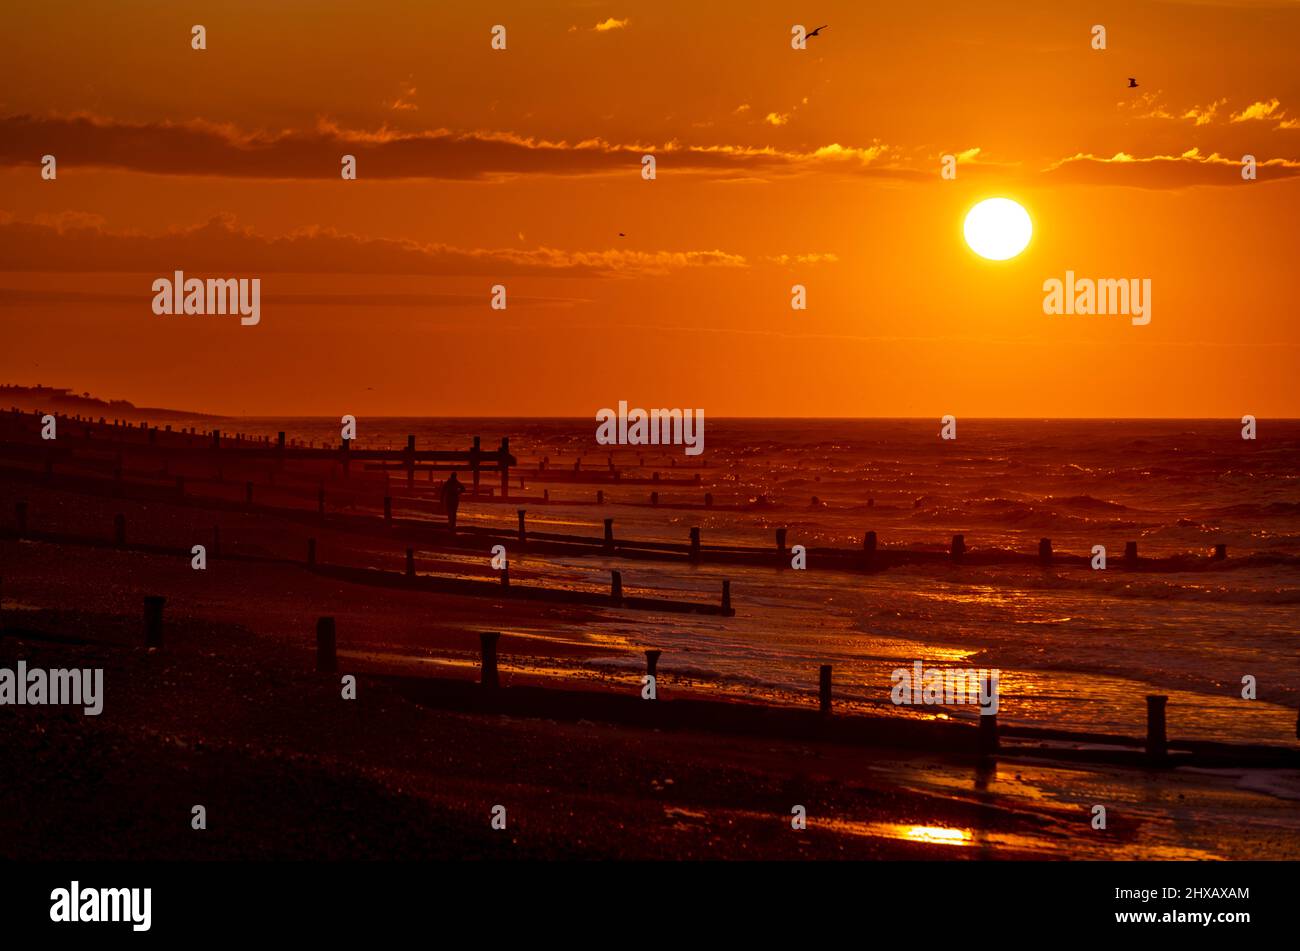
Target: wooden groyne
<point>324,494</point>
<point>983,739</point>
<point>408,579</point>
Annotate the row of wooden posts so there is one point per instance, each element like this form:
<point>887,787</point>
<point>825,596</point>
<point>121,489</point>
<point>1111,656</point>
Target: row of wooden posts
<point>1157,745</point>
<point>119,540</point>
<point>957,548</point>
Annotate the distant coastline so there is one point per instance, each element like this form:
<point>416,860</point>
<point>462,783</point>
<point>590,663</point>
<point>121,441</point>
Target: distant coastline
<point>63,399</point>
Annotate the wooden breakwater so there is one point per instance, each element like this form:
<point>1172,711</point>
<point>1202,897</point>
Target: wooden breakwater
<point>321,507</point>
<point>984,739</point>
<point>408,580</point>
<point>820,720</point>
<point>325,494</point>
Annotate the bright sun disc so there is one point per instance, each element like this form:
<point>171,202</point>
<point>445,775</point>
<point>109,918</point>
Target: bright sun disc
<point>998,228</point>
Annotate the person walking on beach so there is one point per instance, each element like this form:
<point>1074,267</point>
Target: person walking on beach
<point>450,495</point>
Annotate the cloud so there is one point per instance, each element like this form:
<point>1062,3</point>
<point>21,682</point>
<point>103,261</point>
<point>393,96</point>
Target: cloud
<point>1204,115</point>
<point>206,149</point>
<point>403,101</point>
<point>220,246</point>
<point>776,118</point>
<point>1259,110</point>
<point>1149,106</point>
<point>23,297</point>
<point>611,24</point>
<point>785,260</point>
<point>1187,170</point>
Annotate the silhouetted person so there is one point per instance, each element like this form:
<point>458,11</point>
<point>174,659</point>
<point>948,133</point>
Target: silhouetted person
<point>450,495</point>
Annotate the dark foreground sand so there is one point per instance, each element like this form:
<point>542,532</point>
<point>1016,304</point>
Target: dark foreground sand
<point>239,722</point>
<point>231,715</point>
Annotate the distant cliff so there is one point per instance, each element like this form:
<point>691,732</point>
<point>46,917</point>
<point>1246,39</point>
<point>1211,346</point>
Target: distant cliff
<point>63,400</point>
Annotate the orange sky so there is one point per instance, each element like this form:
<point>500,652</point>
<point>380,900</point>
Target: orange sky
<point>776,167</point>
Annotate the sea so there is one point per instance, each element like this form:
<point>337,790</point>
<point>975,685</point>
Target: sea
<point>1076,648</point>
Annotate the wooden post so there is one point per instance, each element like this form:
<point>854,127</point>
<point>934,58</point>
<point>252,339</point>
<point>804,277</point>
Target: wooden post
<point>600,496</point>
<point>488,647</point>
<point>616,587</point>
<point>1130,553</point>
<point>780,540</point>
<point>505,578</point>
<point>1220,552</point>
<point>20,515</point>
<point>410,562</point>
<point>1045,551</point>
<point>695,544</point>
<point>708,500</point>
<point>652,666</point>
<point>119,530</point>
<point>824,690</point>
<point>474,461</point>
<point>654,498</point>
<point>216,439</point>
<point>279,441</point>
<point>388,509</point>
<point>726,596</point>
<point>1157,743</point>
<point>609,534</point>
<point>311,553</point>
<point>327,661</point>
<point>958,547</point>
<point>410,461</point>
<point>523,532</point>
<point>988,727</point>
<point>504,452</point>
<point>869,545</point>
<point>153,620</point>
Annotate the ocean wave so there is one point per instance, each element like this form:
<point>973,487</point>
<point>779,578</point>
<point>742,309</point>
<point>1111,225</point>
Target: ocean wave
<point>1140,588</point>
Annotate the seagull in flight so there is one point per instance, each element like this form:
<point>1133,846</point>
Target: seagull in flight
<point>819,29</point>
<point>1132,83</point>
<point>622,235</point>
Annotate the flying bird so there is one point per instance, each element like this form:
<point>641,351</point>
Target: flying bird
<point>622,235</point>
<point>819,29</point>
<point>1132,83</point>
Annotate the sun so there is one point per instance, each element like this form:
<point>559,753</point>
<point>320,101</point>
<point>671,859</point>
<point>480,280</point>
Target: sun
<point>998,229</point>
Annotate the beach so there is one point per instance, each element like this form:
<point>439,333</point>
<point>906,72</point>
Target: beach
<point>230,713</point>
